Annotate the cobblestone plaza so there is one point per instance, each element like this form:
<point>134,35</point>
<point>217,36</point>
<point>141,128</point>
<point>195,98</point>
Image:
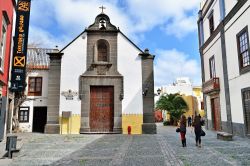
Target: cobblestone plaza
<point>163,148</point>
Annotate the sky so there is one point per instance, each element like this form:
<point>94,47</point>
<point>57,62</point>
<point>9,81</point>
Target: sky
<point>168,28</point>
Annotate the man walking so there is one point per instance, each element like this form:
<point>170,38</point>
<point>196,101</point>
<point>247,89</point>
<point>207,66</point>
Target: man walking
<point>189,121</point>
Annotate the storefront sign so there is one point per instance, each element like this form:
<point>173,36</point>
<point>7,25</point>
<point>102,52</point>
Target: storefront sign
<point>20,45</point>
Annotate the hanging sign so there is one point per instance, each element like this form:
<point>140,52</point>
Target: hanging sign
<point>20,46</point>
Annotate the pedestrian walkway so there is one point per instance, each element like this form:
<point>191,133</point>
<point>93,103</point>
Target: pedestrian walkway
<point>123,150</point>
<point>161,149</point>
<point>213,151</point>
<point>44,149</point>
<point>3,162</point>
<point>21,139</point>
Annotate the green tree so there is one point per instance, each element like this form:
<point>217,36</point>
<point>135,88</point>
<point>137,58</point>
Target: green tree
<point>174,104</point>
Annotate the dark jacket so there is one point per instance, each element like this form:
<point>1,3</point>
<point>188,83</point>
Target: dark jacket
<point>183,128</point>
<point>197,125</point>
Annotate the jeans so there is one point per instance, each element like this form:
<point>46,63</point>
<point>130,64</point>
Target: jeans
<point>198,137</point>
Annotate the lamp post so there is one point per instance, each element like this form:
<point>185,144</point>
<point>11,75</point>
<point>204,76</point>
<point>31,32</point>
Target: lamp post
<point>158,91</point>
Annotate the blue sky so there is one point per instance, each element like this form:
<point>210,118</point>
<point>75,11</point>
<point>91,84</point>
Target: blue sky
<point>167,27</point>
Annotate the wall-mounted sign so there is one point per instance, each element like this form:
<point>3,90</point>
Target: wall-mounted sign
<point>69,95</point>
<point>20,45</point>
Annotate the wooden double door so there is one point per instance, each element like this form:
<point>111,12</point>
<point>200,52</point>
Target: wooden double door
<point>101,108</point>
<point>216,120</point>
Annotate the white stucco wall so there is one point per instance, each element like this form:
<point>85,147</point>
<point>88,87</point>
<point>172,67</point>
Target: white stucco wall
<point>72,66</point>
<point>35,101</point>
<point>129,65</point>
<point>215,50</point>
<point>236,86</point>
<point>216,13</point>
<point>229,4</point>
<point>236,81</point>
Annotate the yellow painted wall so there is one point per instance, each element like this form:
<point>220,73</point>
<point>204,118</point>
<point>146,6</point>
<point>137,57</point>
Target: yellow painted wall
<point>192,107</point>
<point>198,93</point>
<point>133,120</point>
<point>70,125</point>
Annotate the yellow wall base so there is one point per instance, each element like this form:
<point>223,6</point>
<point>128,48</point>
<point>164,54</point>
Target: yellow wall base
<point>72,125</point>
<point>133,120</point>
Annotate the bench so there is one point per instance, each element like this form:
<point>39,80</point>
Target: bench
<point>224,136</point>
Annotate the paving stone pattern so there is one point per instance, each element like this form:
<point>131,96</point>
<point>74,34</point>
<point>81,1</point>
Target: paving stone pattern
<point>44,149</point>
<point>161,149</point>
<point>213,151</point>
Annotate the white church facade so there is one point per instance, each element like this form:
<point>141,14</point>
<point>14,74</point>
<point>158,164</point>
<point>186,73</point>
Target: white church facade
<point>101,82</point>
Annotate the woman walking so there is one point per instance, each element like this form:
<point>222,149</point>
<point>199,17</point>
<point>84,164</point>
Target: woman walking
<point>197,130</point>
<point>183,125</point>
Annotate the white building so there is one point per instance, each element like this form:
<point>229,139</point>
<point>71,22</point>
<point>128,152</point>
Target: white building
<point>182,85</point>
<point>32,114</point>
<point>224,50</point>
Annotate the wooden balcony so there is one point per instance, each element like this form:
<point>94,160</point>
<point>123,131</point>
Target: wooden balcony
<point>211,86</point>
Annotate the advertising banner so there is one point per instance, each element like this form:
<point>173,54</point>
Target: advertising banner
<point>20,46</point>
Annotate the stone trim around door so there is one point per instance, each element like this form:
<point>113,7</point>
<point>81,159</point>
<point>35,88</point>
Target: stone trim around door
<point>244,111</point>
<point>84,90</point>
<point>212,97</point>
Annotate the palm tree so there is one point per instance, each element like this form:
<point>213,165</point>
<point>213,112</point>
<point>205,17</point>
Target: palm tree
<point>174,104</point>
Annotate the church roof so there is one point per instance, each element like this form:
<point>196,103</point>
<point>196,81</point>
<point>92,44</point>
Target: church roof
<point>37,58</point>
<point>95,27</point>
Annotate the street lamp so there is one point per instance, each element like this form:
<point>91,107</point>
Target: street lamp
<point>158,91</point>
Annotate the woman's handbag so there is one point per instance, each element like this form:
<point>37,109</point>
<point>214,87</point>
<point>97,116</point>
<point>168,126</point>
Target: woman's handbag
<point>203,133</point>
<point>178,130</point>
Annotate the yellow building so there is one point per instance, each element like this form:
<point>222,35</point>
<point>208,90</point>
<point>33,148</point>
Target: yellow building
<point>197,92</point>
<point>191,94</point>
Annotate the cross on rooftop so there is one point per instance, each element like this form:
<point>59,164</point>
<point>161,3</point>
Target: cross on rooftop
<point>102,7</point>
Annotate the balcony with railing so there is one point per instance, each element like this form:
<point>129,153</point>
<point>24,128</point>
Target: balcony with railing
<point>211,86</point>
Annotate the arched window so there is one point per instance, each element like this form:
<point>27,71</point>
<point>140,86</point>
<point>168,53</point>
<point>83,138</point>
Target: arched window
<point>102,51</point>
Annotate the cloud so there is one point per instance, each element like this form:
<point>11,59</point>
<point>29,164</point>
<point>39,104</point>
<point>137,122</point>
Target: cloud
<point>178,17</point>
<point>172,64</point>
<point>43,38</point>
<point>71,17</point>
<point>180,27</point>
<point>134,17</point>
